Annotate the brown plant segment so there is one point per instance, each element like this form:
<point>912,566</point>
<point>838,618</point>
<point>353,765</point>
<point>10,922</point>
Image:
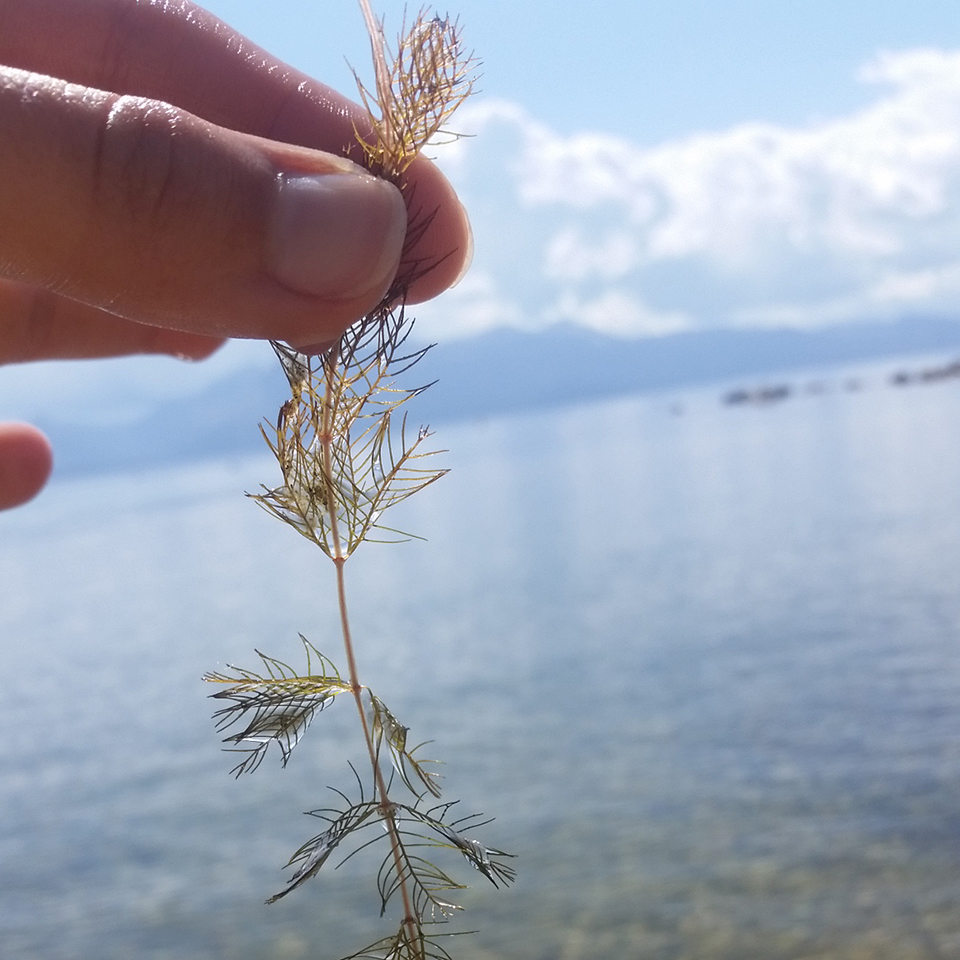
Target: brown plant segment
<point>346,455</point>
<point>416,90</point>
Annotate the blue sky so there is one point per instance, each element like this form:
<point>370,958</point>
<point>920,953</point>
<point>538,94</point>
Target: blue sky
<point>653,70</point>
<point>642,168</point>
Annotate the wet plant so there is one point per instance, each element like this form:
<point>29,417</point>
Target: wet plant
<point>347,454</point>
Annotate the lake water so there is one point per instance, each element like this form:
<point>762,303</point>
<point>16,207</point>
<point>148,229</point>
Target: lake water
<point>701,662</point>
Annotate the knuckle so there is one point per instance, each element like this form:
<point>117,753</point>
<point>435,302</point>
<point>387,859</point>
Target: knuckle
<point>135,163</point>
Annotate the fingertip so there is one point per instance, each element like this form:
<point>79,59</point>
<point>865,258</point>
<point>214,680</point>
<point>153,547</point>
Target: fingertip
<point>129,338</point>
<point>446,244</point>
<point>26,460</point>
<point>189,347</point>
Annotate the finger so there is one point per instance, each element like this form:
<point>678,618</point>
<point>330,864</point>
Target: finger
<point>166,219</point>
<point>178,53</point>
<point>25,463</point>
<point>38,325</point>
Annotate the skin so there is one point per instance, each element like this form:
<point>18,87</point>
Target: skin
<point>141,141</point>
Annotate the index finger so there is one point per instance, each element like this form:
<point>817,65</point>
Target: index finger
<point>179,53</point>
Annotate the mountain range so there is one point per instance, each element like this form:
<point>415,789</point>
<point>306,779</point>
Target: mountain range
<point>499,373</point>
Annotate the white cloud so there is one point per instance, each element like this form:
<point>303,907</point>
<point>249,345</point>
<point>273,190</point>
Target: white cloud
<point>568,257</point>
<point>857,217</point>
<point>473,306</point>
<point>619,313</point>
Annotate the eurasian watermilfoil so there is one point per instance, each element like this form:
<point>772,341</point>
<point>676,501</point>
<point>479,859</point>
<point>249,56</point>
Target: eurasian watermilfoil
<point>346,455</point>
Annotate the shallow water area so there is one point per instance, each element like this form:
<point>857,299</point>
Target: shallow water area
<point>702,664</point>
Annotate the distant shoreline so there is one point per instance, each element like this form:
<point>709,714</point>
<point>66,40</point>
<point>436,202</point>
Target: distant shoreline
<point>509,372</point>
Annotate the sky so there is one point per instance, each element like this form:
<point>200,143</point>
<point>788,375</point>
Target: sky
<point>642,168</point>
<point>651,70</point>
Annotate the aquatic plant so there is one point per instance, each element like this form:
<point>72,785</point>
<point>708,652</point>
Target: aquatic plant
<point>347,454</point>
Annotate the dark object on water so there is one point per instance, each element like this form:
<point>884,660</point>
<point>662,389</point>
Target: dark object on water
<point>759,397</point>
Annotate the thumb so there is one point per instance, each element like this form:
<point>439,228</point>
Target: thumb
<point>146,211</point>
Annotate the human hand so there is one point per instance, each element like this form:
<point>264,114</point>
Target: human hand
<point>165,184</point>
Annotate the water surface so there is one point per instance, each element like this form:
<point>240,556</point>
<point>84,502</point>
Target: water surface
<point>703,666</point>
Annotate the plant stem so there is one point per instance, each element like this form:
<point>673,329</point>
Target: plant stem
<point>410,919</point>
